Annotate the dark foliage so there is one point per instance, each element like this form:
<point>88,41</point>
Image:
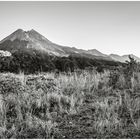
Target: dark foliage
<point>32,61</point>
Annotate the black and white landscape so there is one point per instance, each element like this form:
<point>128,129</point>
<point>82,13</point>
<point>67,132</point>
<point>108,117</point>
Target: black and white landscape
<point>77,90</point>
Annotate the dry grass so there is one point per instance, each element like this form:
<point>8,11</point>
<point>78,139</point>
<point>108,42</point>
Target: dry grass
<point>71,105</point>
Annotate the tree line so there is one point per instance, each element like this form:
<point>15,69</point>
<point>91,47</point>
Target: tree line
<point>35,61</point>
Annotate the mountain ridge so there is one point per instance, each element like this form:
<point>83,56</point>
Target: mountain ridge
<point>35,41</point>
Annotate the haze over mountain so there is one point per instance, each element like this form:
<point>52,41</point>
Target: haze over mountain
<point>32,40</point>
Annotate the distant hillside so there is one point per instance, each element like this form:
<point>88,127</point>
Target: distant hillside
<point>96,52</point>
<point>117,57</point>
<point>126,57</point>
<point>123,58</point>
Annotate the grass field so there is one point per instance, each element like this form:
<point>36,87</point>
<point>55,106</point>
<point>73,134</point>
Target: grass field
<point>73,105</point>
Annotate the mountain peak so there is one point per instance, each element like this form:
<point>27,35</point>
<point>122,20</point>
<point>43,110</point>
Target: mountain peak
<point>23,31</point>
<point>33,40</point>
<point>32,30</point>
<point>19,30</point>
<point>20,34</point>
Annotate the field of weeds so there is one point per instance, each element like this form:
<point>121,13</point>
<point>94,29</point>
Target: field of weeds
<point>74,105</point>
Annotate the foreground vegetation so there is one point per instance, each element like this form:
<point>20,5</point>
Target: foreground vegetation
<point>82,104</point>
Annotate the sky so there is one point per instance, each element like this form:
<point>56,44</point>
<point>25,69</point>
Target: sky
<point>110,27</point>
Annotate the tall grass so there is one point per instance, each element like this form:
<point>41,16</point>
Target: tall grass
<point>50,106</point>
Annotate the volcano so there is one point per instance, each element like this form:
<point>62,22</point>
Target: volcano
<point>31,41</point>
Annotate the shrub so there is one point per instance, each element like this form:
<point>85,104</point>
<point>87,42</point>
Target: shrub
<point>10,84</point>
